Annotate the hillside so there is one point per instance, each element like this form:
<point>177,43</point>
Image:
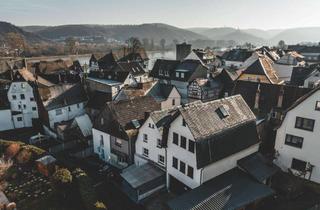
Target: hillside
<point>296,35</point>
<point>258,36</point>
<point>228,33</point>
<point>155,31</point>
<point>9,28</point>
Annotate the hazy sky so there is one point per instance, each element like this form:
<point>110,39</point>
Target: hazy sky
<point>264,14</point>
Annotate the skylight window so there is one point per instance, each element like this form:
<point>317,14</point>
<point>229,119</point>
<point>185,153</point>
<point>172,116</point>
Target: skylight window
<point>135,123</point>
<point>222,112</point>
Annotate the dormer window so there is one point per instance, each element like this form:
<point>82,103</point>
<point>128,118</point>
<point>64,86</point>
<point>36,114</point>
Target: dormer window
<point>177,75</point>
<point>222,112</point>
<point>182,75</point>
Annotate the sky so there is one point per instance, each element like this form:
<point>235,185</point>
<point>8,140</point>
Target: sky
<point>262,14</point>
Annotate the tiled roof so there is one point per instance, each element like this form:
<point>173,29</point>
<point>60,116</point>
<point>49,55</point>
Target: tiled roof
<point>269,94</point>
<point>133,67</point>
<point>118,115</point>
<point>160,91</point>
<point>204,122</point>
<point>98,100</point>
<point>263,67</point>
<point>240,55</point>
<point>62,95</point>
<point>164,65</point>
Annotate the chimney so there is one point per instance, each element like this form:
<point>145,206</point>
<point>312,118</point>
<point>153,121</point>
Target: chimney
<point>280,98</point>
<point>257,99</point>
<point>182,51</point>
<point>146,115</point>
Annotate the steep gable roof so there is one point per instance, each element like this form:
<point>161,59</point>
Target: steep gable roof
<point>263,67</point>
<point>62,95</point>
<point>118,115</point>
<point>204,122</point>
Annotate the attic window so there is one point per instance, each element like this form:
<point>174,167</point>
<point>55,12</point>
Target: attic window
<point>222,112</point>
<point>135,123</point>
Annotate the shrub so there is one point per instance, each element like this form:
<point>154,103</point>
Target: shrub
<point>24,156</point>
<point>12,150</point>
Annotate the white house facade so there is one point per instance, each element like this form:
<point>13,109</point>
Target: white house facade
<point>148,145</point>
<point>65,113</point>
<point>22,100</point>
<point>182,158</point>
<point>297,139</point>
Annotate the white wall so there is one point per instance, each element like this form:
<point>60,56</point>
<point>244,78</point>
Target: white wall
<point>167,104</point>
<point>27,106</point>
<point>6,120</point>
<point>66,115</point>
<point>182,87</point>
<point>226,164</point>
<point>154,151</point>
<point>310,81</point>
<point>311,143</point>
<point>184,155</point>
<point>200,175</point>
<point>237,64</point>
<point>96,135</point>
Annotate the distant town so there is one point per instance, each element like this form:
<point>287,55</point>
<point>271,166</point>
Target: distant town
<point>93,122</point>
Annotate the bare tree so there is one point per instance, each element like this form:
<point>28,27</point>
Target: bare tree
<point>134,44</point>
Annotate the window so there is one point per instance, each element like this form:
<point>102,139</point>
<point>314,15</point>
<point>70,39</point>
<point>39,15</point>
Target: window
<point>190,172</point>
<point>177,75</point>
<point>145,138</point>
<point>102,121</point>
<point>31,99</point>
<point>24,106</point>
<point>182,167</point>
<point>183,142</point>
<point>101,140</point>
<point>298,165</point>
<point>161,159</point>
<point>175,138</point>
<point>78,106</point>
<point>23,85</point>
<point>151,125</point>
<point>69,108</point>
<point>118,142</point>
<point>294,141</point>
<point>173,102</point>
<point>14,97</point>
<point>22,96</point>
<point>19,119</point>
<point>19,106</point>
<point>182,75</point>
<point>34,108</point>
<point>58,111</point>
<point>174,162</point>
<point>222,112</point>
<point>191,146</point>
<point>304,123</point>
<point>317,106</point>
<point>145,152</point>
<point>159,143</point>
<point>184,123</point>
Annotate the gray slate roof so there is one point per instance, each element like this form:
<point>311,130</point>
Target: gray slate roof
<point>258,167</point>
<point>229,191</point>
<point>137,176</point>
